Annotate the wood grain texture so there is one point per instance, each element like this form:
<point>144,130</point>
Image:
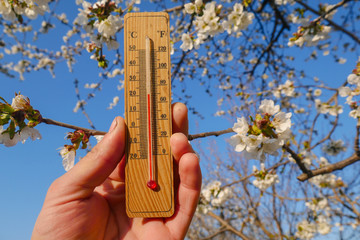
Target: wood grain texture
<point>141,201</point>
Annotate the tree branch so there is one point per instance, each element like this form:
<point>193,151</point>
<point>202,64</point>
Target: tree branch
<point>329,168</point>
<point>228,226</point>
<point>91,132</point>
<point>208,134</point>
<point>274,167</point>
<point>338,27</point>
<point>336,166</point>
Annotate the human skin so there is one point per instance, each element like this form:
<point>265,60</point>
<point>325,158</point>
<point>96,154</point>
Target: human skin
<point>88,202</point>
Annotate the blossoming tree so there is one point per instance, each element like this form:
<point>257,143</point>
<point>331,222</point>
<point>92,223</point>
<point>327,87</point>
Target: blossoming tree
<point>284,173</point>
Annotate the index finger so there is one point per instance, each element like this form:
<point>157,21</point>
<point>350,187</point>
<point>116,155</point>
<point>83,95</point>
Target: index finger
<point>180,118</point>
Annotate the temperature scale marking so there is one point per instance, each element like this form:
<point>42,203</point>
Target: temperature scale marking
<point>149,163</point>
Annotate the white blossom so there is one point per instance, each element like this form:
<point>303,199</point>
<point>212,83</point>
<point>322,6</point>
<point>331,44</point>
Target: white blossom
<point>353,79</point>
<point>332,13</point>
<point>213,196</point>
<point>317,204</point>
<point>221,197</point>
<point>335,110</point>
<point>187,42</point>
<point>286,89</point>
<point>112,44</point>
<point>28,132</point>
<point>268,106</point>
<point>305,230</point>
<point>355,113</point>
<point>283,2</point>
<point>256,143</point>
<point>241,126</point>
<point>264,179</point>
<point>341,60</point>
<point>191,8</point>
<point>307,36</point>
<point>219,113</point>
<point>99,138</point>
<point>20,102</point>
<point>82,18</point>
<point>109,26</point>
<point>323,225</point>
<point>5,138</point>
<point>114,102</point>
<point>92,85</point>
<point>6,11</point>
<point>317,92</point>
<point>68,154</point>
<point>78,105</point>
<point>24,134</point>
<point>326,181</point>
<point>344,91</point>
<point>237,141</point>
<point>252,142</point>
<point>334,147</point>
<point>325,108</point>
<point>271,145</point>
<point>238,19</point>
<point>282,121</point>
<point>31,9</point>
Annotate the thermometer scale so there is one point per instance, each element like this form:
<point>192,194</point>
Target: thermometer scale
<point>149,163</point>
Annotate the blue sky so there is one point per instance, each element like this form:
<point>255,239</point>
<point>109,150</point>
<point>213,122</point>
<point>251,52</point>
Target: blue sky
<point>28,169</point>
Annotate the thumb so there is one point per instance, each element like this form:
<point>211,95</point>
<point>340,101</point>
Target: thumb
<point>97,165</point>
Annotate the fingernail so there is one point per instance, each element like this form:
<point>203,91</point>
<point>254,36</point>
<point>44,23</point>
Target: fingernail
<point>113,125</point>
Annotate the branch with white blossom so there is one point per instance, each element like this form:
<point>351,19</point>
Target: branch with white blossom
<point>337,26</point>
<point>329,168</point>
<point>338,165</point>
<point>307,174</point>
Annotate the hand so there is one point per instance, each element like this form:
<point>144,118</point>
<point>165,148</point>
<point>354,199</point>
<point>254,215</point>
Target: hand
<point>88,202</point>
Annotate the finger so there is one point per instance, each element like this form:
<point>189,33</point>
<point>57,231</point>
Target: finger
<point>180,118</point>
<point>180,124</point>
<point>119,172</point>
<point>189,186</point>
<point>179,146</point>
<point>96,166</point>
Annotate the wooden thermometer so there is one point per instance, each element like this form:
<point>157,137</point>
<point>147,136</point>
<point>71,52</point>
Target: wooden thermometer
<point>149,164</point>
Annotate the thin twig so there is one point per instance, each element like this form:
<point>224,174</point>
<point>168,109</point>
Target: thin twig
<point>207,134</point>
<point>91,132</point>
<point>219,231</point>
<point>76,83</point>
<point>298,161</point>
<point>228,226</point>
<point>274,167</point>
<point>177,8</point>
<point>331,99</point>
<point>340,28</point>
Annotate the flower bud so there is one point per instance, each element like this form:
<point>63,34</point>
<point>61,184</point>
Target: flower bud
<point>74,136</point>
<point>34,118</point>
<point>21,102</point>
<point>85,138</point>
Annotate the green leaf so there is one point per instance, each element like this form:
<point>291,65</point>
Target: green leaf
<point>4,100</point>
<point>4,119</point>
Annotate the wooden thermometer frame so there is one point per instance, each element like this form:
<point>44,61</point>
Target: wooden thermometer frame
<point>149,162</point>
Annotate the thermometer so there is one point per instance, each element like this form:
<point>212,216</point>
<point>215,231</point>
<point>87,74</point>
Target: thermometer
<point>149,163</point>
